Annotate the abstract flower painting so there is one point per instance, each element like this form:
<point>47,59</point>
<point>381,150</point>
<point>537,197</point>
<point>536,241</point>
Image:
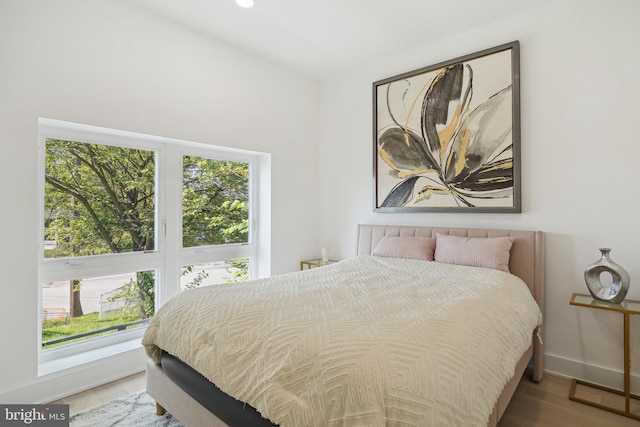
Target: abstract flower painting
<point>447,137</point>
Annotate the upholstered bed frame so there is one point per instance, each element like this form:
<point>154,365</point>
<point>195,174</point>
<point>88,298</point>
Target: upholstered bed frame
<point>526,262</point>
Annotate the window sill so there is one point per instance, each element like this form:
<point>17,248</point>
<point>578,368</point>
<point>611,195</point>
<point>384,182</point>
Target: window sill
<point>87,357</point>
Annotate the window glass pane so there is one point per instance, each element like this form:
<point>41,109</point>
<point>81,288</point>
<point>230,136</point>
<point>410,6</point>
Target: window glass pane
<point>214,273</point>
<point>75,310</point>
<point>99,199</point>
<point>215,202</point>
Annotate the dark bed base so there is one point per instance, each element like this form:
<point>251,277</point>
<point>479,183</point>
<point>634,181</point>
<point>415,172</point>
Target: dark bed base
<point>229,410</point>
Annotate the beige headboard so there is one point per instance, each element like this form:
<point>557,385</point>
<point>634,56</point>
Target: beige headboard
<point>526,260</point>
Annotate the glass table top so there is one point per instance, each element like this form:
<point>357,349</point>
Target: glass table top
<point>626,306</point>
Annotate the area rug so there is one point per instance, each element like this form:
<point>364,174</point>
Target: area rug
<point>133,410</point>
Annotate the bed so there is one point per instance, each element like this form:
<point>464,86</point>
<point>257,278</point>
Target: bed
<point>361,370</point>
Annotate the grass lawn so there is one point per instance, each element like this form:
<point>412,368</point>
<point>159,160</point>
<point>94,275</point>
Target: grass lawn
<point>54,329</point>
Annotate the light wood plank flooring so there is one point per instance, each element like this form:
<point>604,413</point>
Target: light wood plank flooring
<point>547,404</point>
<point>534,404</point>
<point>104,393</point>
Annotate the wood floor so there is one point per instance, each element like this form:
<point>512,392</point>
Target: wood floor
<point>547,404</point>
<point>104,393</point>
<point>543,404</point>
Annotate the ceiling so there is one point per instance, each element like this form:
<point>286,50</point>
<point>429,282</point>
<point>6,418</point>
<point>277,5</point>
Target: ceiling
<point>321,37</point>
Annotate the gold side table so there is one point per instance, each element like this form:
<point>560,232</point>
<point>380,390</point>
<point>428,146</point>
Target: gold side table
<point>627,308</point>
<point>318,262</point>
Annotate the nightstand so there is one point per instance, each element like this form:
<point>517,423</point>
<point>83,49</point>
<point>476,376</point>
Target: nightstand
<point>627,308</point>
<point>318,262</point>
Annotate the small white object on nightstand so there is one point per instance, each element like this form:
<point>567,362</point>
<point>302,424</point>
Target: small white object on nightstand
<point>325,254</point>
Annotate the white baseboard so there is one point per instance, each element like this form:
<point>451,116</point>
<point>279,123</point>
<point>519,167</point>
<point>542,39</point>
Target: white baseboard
<point>608,377</point>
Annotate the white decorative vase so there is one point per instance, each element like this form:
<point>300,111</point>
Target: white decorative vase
<point>614,292</point>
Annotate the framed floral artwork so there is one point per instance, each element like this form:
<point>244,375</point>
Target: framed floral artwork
<point>447,136</point>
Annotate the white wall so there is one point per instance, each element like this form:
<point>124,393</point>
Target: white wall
<point>107,63</point>
<point>580,172</point>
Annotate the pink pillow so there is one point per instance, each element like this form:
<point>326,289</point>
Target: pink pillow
<point>406,247</point>
<point>488,252</point>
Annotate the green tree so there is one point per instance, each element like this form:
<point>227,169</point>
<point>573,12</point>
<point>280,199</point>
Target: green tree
<point>100,199</point>
<point>215,205</point>
<point>99,191</point>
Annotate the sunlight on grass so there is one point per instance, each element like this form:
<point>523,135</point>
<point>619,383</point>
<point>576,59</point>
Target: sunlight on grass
<point>57,328</point>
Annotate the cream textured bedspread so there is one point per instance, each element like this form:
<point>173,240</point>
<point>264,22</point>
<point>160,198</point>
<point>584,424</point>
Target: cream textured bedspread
<point>368,341</point>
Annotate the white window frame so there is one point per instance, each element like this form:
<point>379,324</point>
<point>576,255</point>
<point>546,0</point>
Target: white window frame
<point>169,255</point>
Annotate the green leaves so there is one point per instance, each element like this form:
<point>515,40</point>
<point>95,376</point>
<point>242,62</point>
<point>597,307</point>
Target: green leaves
<point>98,199</point>
<point>215,202</point>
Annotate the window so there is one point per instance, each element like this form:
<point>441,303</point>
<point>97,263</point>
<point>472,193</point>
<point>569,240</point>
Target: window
<point>127,221</point>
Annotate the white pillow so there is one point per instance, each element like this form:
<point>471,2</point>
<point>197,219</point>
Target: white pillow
<point>488,252</point>
<point>406,247</point>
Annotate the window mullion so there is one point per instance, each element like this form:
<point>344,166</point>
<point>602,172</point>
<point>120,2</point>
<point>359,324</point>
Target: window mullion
<point>170,182</point>
<point>54,270</point>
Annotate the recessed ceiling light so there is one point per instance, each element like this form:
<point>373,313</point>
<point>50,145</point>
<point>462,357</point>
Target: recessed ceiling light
<point>245,3</point>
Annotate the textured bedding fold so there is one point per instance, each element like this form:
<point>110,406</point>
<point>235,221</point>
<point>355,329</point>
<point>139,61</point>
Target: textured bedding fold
<point>366,341</point>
